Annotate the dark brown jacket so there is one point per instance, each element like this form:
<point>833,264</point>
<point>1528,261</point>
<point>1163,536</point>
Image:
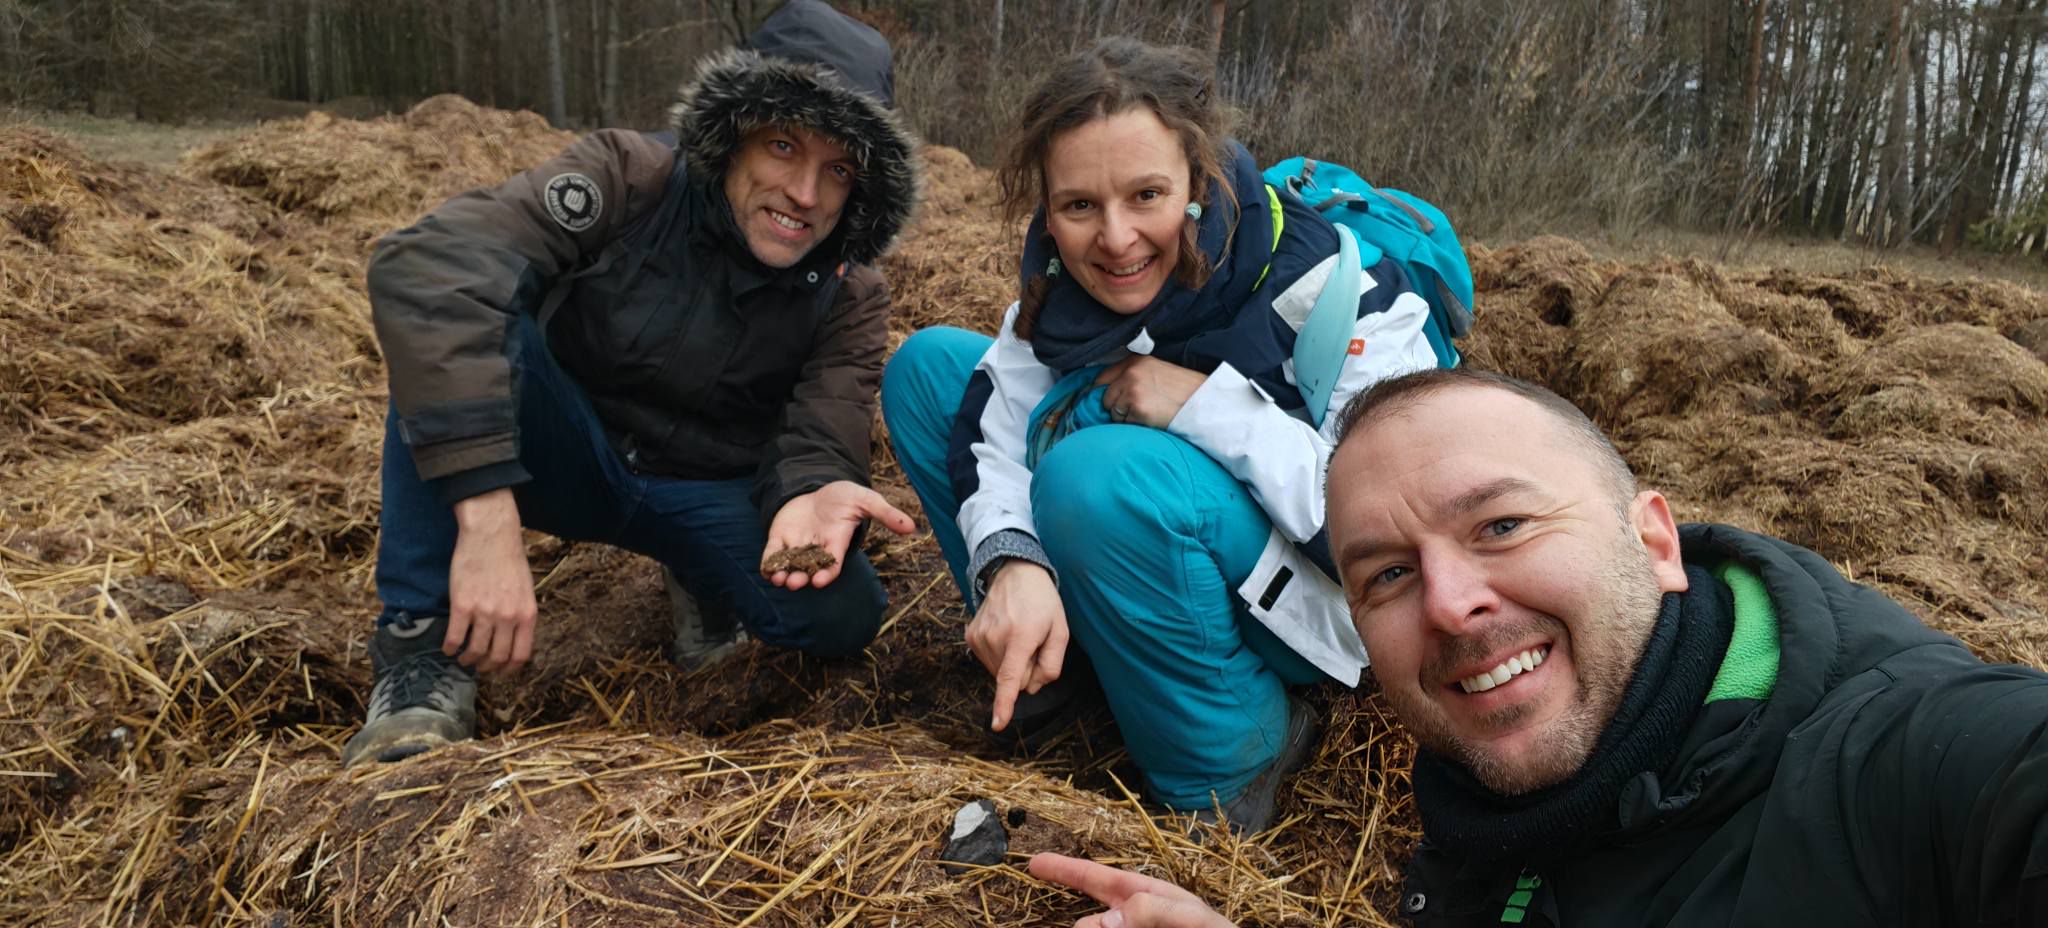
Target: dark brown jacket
<point>701,362</point>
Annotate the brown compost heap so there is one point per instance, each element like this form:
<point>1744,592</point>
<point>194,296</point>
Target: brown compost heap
<point>191,411</point>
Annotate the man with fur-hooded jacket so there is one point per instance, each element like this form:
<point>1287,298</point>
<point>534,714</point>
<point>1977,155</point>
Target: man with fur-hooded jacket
<point>668,346</point>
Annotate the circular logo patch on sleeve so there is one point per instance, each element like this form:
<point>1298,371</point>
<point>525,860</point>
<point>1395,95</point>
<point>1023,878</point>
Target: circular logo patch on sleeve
<point>574,201</point>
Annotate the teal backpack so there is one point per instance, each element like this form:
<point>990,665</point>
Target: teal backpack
<point>1382,223</point>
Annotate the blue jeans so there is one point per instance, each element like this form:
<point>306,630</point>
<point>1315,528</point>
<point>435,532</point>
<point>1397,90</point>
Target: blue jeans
<point>1151,538</point>
<point>709,532</point>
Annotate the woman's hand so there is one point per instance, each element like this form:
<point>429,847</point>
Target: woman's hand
<point>1143,390</point>
<point>1019,633</point>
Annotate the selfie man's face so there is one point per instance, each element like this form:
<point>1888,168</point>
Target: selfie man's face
<point>1504,586</point>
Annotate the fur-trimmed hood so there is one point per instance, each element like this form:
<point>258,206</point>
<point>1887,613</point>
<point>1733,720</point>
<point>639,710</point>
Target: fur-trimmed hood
<point>811,66</point>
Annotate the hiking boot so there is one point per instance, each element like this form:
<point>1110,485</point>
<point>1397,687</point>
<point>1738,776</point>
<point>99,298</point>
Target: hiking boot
<point>422,700</point>
<point>702,636</point>
<point>1038,719</point>
<point>1252,811</point>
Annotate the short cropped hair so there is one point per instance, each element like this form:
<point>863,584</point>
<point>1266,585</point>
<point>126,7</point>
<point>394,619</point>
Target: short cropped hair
<point>1397,394</point>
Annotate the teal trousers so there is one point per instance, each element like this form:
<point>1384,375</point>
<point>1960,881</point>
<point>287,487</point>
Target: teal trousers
<point>1150,538</point>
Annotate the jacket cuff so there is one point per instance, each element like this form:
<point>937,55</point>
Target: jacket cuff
<point>1216,414</point>
<point>999,547</point>
<point>477,481</point>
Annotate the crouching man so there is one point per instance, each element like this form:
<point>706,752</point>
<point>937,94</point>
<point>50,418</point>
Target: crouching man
<point>671,345</point>
<point>1629,722</point>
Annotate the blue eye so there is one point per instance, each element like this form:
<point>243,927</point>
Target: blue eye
<point>1388,575</point>
<point>1499,527</point>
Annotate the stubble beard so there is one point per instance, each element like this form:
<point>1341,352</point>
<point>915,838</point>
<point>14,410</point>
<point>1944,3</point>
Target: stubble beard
<point>1606,646</point>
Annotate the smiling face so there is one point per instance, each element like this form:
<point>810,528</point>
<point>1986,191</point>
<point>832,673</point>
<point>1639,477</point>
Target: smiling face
<point>1116,198</point>
<point>1503,585</point>
<point>787,187</point>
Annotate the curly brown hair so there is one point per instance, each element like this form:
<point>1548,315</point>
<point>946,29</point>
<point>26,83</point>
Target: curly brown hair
<point>1111,77</point>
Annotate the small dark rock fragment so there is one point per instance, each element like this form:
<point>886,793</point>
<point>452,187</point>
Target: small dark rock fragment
<point>977,838</point>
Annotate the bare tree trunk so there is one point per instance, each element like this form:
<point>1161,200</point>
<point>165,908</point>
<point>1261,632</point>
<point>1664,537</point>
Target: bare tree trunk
<point>1820,121</point>
<point>1713,79</point>
<point>1974,199</point>
<point>503,88</point>
<point>316,85</point>
<point>458,33</point>
<point>1853,134</point>
<point>1918,182</point>
<point>1889,217</point>
<point>2022,104</point>
<point>593,46</point>
<point>1217,9</point>
<point>1752,84</point>
<point>1789,167</point>
<point>999,29</point>
<point>558,96</point>
<point>608,100</point>
<point>1776,85</point>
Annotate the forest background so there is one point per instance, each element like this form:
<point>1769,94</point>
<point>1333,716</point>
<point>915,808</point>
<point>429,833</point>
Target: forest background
<point>192,403</point>
<point>1875,122</point>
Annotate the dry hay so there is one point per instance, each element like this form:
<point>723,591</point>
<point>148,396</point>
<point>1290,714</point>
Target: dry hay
<point>227,502</point>
<point>789,826</point>
<point>1657,344</point>
<point>179,768</point>
<point>2032,336</point>
<point>1893,424</point>
<point>1970,363</point>
<point>361,179</point>
<point>129,299</point>
<point>184,581</point>
<point>1527,296</point>
<point>958,265</point>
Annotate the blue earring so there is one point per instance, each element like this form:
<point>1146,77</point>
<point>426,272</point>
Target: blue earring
<point>1195,211</point>
<point>1052,268</point>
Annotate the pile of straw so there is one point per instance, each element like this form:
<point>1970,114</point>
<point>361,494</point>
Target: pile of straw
<point>192,416</point>
<point>362,179</point>
<point>1894,424</point>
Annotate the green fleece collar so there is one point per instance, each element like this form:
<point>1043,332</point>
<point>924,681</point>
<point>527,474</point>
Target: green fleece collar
<point>1750,671</point>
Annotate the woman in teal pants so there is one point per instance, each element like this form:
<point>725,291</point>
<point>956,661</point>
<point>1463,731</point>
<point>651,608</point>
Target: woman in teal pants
<point>1129,461</point>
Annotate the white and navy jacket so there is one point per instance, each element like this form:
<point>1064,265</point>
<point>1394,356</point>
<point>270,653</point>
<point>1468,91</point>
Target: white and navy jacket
<point>1249,416</point>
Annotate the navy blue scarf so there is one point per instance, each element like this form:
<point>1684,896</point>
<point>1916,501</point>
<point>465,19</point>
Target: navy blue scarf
<point>1192,328</point>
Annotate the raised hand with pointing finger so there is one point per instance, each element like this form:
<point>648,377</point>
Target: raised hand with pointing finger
<point>1019,634</point>
<point>1134,901</point>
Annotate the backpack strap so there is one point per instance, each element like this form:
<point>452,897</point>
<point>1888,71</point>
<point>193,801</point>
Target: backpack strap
<point>1325,338</point>
<point>1279,226</point>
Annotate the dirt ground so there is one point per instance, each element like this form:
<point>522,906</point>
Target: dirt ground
<point>191,412</point>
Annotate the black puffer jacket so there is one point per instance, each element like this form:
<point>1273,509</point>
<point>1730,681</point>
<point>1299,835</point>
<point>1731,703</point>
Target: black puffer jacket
<point>1891,778</point>
<point>701,361</point>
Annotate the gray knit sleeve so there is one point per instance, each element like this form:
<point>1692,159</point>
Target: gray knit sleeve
<point>1008,543</point>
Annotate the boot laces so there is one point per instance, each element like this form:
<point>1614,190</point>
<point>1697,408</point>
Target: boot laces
<point>427,678</point>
